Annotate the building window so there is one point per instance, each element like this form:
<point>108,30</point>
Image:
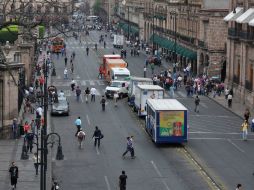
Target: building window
<point>17,58</point>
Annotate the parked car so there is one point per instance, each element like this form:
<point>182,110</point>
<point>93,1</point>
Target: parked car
<point>61,107</point>
<point>156,60</point>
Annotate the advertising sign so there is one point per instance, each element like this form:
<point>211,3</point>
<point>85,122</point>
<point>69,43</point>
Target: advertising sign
<point>172,123</point>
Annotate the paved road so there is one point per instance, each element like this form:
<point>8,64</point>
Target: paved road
<point>155,167</point>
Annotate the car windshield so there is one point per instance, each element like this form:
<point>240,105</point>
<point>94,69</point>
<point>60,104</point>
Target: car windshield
<point>122,77</point>
<point>61,103</point>
<point>116,84</point>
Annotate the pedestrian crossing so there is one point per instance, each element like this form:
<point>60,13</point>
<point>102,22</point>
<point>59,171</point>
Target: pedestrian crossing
<point>86,83</point>
<point>74,44</point>
<point>69,93</point>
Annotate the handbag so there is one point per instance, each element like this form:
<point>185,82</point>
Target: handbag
<point>102,136</point>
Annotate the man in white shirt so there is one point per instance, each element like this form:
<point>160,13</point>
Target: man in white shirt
<point>39,111</point>
<point>65,73</point>
<point>61,94</point>
<point>93,93</point>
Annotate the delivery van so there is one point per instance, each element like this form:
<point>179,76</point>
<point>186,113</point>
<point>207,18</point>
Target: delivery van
<point>166,121</point>
<point>144,92</point>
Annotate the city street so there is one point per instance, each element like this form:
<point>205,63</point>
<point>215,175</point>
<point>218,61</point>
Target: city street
<point>155,167</point>
<point>214,136</point>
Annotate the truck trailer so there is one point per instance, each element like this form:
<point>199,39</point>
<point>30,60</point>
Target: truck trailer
<point>166,121</point>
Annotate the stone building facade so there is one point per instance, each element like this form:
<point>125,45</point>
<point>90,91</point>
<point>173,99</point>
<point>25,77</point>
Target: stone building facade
<point>240,56</point>
<point>193,25</point>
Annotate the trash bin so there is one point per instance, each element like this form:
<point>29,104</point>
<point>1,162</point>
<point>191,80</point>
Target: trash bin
<point>21,130</point>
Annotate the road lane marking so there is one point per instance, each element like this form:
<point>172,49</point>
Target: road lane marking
<point>107,182</point>
<point>237,147</point>
<point>88,120</point>
<point>97,150</point>
<point>203,104</point>
<point>159,174</point>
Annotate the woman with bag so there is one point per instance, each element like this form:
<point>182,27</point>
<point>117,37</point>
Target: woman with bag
<point>81,137</point>
<point>245,127</point>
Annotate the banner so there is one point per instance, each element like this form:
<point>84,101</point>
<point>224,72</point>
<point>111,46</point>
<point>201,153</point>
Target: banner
<point>172,123</point>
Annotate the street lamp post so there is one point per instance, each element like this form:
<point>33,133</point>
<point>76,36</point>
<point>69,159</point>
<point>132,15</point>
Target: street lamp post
<point>174,13</point>
<point>153,32</point>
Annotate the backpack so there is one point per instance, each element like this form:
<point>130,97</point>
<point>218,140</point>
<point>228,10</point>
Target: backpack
<point>197,101</point>
<point>81,135</point>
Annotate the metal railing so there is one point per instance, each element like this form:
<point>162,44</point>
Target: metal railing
<point>202,44</point>
<point>233,33</point>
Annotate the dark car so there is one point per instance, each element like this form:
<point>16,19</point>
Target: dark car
<point>61,107</point>
<point>155,60</point>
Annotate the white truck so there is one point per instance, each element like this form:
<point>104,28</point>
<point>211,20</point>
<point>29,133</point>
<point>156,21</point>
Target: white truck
<point>144,92</point>
<point>119,83</point>
<point>134,81</point>
<point>118,41</point>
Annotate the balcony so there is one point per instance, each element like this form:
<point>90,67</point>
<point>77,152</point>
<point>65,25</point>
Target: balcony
<point>236,79</point>
<point>233,33</point>
<point>202,44</point>
<point>246,36</point>
<point>248,85</point>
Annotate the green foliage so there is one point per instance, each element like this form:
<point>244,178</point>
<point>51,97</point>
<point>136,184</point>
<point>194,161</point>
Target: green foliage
<point>97,6</point>
<point>41,31</point>
<point>9,34</point>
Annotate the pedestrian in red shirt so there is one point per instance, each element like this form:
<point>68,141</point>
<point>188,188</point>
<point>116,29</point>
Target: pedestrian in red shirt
<point>41,81</point>
<point>26,127</point>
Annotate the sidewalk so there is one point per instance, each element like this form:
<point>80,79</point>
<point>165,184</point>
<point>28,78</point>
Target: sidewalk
<point>10,151</point>
<point>238,108</point>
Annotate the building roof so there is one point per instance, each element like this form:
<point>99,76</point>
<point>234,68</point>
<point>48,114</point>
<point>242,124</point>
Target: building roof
<point>232,16</point>
<point>166,104</point>
<point>246,17</point>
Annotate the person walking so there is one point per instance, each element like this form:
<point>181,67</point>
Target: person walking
<point>26,127</point>
<point>73,84</point>
<point>122,181</point>
<point>87,50</point>
<point>152,67</point>
<point>239,186</point>
<point>14,174</point>
<point>78,125</point>
<point>97,136</point>
<point>93,93</point>
<point>72,68</point>
<point>252,125</point>
<point>245,127</point>
<point>103,103</point>
<point>116,96</point>
<point>65,73</point>
<point>78,93</point>
<point>197,101</point>
<point>87,92</point>
<point>81,137</point>
<point>230,97</point>
<point>15,129</point>
<point>144,71</point>
<point>226,93</point>
<point>65,61</point>
<point>37,161</point>
<point>129,148</point>
<point>247,114</point>
<point>30,140</point>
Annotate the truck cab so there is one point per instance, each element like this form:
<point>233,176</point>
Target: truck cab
<point>119,74</point>
<point>121,87</point>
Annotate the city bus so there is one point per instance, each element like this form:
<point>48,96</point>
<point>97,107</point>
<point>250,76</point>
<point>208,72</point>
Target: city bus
<point>57,44</point>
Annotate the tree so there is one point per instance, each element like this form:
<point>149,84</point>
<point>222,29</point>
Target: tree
<point>31,15</point>
<point>97,7</point>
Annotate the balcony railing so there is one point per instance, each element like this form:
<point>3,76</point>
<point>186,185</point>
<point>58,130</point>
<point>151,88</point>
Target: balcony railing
<point>248,36</point>
<point>233,33</point>
<point>236,79</point>
<point>248,85</point>
<point>202,44</point>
